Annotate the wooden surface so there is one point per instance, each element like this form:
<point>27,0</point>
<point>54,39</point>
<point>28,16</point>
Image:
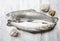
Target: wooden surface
<point>12,5</point>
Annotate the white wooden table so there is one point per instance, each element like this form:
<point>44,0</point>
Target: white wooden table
<point>12,5</point>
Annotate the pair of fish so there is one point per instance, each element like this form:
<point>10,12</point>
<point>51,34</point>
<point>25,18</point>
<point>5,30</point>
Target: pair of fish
<point>40,22</point>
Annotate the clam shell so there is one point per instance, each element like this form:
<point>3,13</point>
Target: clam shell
<point>52,12</point>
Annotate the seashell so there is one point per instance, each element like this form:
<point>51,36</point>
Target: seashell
<point>52,12</point>
<point>45,7</point>
<point>14,33</point>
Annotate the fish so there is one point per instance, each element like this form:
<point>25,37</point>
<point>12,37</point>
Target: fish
<point>30,14</point>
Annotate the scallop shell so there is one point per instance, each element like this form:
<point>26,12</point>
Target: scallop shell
<point>52,12</point>
<point>45,7</point>
<point>14,33</point>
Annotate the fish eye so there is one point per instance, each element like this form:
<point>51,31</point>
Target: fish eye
<point>44,23</point>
